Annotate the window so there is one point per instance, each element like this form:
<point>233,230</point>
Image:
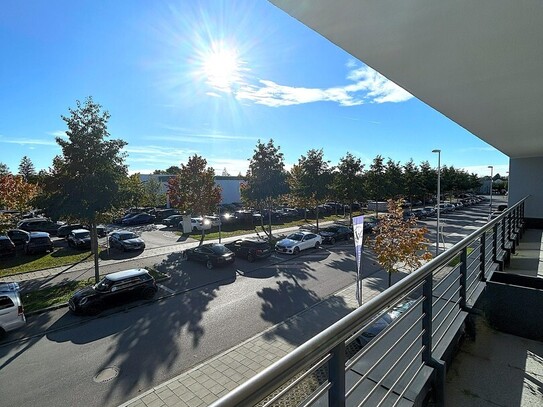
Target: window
<point>5,302</point>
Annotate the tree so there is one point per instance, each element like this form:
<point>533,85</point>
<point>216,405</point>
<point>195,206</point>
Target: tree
<point>15,194</point>
<point>131,191</point>
<point>375,181</point>
<point>399,242</point>
<point>4,170</point>
<point>266,178</point>
<point>26,169</point>
<point>152,193</point>
<point>311,179</point>
<point>348,182</point>
<point>225,172</point>
<point>194,190</point>
<point>411,180</point>
<point>394,179</point>
<point>85,182</point>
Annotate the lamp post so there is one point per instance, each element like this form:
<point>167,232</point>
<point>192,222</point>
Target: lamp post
<point>438,196</point>
<point>491,185</point>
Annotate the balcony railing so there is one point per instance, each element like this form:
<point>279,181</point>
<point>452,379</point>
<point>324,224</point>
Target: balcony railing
<point>405,360</point>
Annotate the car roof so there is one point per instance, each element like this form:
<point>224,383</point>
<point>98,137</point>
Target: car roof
<point>80,231</point>
<point>39,234</point>
<point>120,275</point>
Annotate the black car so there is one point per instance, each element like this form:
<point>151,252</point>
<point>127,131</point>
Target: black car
<point>7,247</point>
<point>18,236</point>
<point>212,254</point>
<point>251,249</point>
<point>79,239</point>
<point>370,225</point>
<point>38,242</point>
<point>139,219</point>
<point>114,289</point>
<point>125,240</point>
<point>162,214</point>
<point>172,221</point>
<point>39,225</point>
<point>331,234</point>
<point>65,230</point>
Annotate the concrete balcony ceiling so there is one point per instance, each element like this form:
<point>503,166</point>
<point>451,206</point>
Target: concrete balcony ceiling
<point>480,63</point>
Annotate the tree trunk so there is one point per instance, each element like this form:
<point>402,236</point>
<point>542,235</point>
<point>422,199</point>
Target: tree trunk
<point>317,212</point>
<point>203,232</point>
<point>389,279</point>
<point>270,220</point>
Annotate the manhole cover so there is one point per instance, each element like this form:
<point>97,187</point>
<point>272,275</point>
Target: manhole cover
<point>109,373</point>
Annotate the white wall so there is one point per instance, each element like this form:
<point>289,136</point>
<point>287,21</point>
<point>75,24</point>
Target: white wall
<point>526,178</point>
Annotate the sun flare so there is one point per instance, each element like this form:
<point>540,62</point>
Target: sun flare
<point>221,68</point>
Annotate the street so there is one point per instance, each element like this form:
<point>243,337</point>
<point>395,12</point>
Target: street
<point>62,360</point>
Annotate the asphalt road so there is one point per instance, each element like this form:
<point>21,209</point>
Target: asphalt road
<point>65,360</point>
<point>149,344</point>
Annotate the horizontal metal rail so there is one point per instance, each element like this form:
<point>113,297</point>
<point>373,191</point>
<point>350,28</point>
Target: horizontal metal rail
<point>334,337</point>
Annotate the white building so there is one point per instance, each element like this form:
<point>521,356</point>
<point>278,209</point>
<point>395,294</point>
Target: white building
<point>231,191</point>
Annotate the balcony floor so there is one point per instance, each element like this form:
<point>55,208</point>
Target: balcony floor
<point>498,369</point>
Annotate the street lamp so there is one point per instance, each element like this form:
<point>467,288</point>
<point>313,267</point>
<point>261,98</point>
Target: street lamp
<point>438,196</point>
<point>491,185</point>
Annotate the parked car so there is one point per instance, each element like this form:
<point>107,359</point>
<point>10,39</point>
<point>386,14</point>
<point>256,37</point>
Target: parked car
<point>331,234</point>
<point>18,236</point>
<point>383,321</point>
<point>370,224</point>
<point>250,248</point>
<point>172,221</point>
<point>114,289</point>
<point>211,254</point>
<point>139,219</point>
<point>298,241</point>
<point>197,224</point>
<point>7,247</point>
<point>39,225</point>
<point>161,214</point>
<point>79,239</point>
<point>213,220</point>
<point>65,230</point>
<point>125,240</point>
<point>12,314</point>
<point>38,242</point>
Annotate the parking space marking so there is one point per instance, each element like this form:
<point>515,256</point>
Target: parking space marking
<point>169,290</point>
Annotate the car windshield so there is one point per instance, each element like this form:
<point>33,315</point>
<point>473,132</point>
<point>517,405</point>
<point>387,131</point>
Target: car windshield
<point>103,285</point>
<point>219,249</point>
<point>82,235</point>
<point>126,236</point>
<point>295,236</point>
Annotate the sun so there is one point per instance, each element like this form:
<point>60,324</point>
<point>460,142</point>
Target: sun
<point>221,68</point>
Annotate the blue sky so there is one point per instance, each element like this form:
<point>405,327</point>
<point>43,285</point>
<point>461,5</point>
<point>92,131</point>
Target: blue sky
<point>207,77</point>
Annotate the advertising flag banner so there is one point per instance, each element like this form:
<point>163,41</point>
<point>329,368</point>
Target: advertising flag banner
<point>358,231</point>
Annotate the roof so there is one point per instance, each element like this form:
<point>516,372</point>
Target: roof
<point>120,275</point>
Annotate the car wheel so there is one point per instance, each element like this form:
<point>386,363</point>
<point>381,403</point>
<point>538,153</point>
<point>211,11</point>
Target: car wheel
<point>296,250</point>
<point>148,293</point>
<point>332,241</point>
<point>318,244</point>
<point>209,264</point>
<point>250,257</point>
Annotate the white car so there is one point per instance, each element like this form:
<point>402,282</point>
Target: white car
<point>199,224</point>
<point>298,241</point>
<point>11,308</point>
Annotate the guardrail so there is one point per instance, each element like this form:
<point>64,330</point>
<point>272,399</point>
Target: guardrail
<point>404,360</point>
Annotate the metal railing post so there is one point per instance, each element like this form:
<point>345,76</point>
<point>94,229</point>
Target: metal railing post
<point>482,258</point>
<point>463,277</point>
<point>336,375</point>
<point>495,246</point>
<point>427,319</point>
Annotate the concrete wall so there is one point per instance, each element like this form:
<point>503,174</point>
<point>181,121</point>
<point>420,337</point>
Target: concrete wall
<point>526,178</point>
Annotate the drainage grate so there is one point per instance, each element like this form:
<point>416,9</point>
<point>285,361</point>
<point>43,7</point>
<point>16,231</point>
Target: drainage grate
<point>106,375</point>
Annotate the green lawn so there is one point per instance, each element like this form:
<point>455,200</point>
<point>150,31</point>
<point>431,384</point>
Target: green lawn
<point>31,262</point>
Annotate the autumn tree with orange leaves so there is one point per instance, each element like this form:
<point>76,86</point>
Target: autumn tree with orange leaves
<point>16,194</point>
<point>399,242</point>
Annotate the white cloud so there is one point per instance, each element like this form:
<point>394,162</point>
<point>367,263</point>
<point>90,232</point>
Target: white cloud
<point>368,86</point>
<point>27,141</point>
<point>484,171</point>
